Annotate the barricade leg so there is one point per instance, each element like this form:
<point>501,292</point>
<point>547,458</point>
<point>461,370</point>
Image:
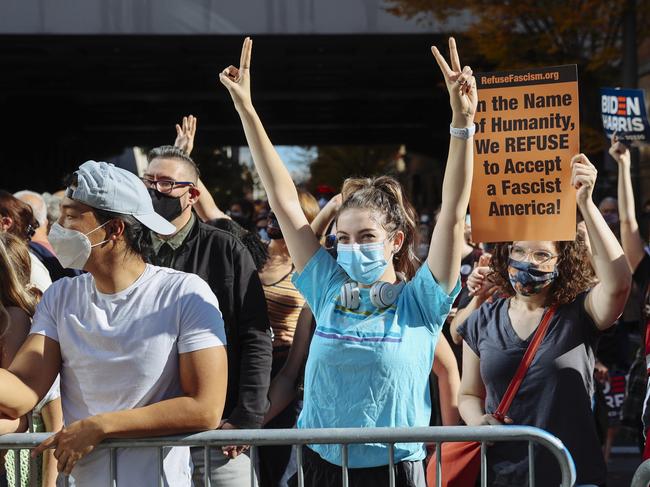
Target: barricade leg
<point>344,464</point>
<point>206,467</point>
<point>161,470</point>
<point>438,465</point>
<point>483,464</point>
<point>391,465</point>
<point>531,464</point>
<point>112,481</point>
<point>17,473</point>
<point>33,473</point>
<point>253,454</point>
<point>300,473</point>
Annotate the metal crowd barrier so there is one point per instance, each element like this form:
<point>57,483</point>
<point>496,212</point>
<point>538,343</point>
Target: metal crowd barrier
<point>642,475</point>
<point>341,436</point>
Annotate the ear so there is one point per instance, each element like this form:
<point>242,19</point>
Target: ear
<point>114,229</point>
<point>194,193</point>
<point>6,223</point>
<point>398,241</point>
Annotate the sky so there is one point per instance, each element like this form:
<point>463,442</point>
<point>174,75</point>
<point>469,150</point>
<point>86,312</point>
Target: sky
<point>295,158</point>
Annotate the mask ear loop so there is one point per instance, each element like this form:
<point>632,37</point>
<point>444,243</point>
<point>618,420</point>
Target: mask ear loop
<point>103,241</point>
<point>189,205</point>
<point>100,226</point>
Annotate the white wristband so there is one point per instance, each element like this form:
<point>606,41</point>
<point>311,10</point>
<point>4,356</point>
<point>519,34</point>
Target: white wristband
<point>464,133</point>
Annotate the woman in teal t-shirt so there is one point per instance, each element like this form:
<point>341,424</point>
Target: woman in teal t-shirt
<point>378,316</point>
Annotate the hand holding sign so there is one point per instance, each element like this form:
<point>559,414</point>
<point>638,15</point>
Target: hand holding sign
<point>461,85</point>
<point>619,151</point>
<point>583,178</point>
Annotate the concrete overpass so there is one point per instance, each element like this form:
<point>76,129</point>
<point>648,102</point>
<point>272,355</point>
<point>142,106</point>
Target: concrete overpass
<point>86,80</point>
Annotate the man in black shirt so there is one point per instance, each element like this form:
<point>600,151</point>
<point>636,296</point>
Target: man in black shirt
<point>226,265</point>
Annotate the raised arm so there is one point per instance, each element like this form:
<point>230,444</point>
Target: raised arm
<point>205,207</point>
<point>280,189</point>
<point>481,288</point>
<point>447,239</point>
<point>185,133</point>
<point>630,235</point>
<point>606,300</point>
<point>326,215</point>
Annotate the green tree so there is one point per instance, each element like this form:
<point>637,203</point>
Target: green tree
<point>223,175</point>
<point>517,34</point>
<point>335,163</point>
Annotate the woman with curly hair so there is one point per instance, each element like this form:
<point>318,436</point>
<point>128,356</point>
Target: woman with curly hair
<point>556,392</point>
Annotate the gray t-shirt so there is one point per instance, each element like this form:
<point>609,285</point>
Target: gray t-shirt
<point>555,395</point>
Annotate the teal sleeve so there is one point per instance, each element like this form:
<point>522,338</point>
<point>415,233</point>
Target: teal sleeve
<point>425,299</point>
<point>320,281</point>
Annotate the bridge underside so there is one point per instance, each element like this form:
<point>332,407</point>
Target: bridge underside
<point>65,99</point>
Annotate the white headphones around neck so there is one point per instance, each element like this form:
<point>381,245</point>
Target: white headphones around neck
<point>382,294</point>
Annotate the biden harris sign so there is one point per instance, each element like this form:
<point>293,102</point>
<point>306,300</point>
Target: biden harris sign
<point>624,113</point>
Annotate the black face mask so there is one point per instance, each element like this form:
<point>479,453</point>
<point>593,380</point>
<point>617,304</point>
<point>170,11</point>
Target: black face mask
<point>168,207</point>
<point>273,228</point>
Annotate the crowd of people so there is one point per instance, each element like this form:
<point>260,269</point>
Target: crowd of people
<point>133,306</point>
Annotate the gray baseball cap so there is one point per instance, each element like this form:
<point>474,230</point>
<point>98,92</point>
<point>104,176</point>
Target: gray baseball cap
<point>106,187</point>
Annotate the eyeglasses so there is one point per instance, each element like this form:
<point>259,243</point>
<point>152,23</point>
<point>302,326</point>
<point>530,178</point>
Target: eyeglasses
<point>165,185</point>
<point>536,256</point>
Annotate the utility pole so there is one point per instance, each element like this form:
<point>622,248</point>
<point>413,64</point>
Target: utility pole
<point>630,77</point>
<point>630,63</point>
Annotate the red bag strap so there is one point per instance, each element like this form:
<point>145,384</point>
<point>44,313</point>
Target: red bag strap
<point>528,358</point>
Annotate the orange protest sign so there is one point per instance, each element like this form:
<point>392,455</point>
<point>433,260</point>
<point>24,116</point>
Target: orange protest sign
<point>527,130</point>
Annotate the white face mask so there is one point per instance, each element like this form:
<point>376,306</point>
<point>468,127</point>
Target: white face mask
<point>71,246</point>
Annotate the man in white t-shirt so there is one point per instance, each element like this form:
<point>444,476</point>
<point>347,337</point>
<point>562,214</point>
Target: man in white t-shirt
<point>137,345</point>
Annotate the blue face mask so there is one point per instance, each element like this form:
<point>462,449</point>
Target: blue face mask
<point>364,263</point>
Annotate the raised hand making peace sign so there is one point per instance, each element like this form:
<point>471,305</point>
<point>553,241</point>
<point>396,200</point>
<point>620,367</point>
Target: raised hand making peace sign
<point>463,96</point>
<point>237,80</point>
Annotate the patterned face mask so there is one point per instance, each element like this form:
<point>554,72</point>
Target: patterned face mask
<point>527,279</point>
